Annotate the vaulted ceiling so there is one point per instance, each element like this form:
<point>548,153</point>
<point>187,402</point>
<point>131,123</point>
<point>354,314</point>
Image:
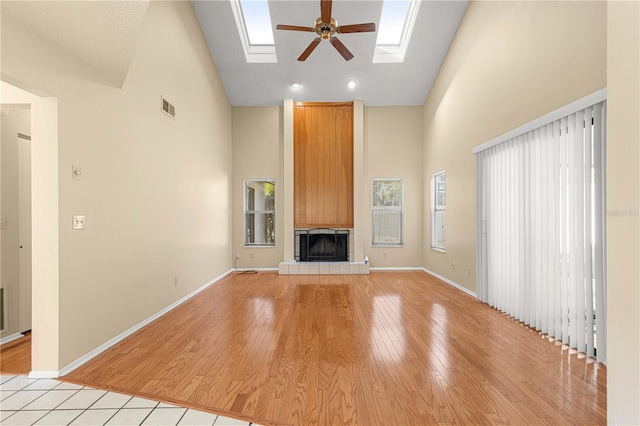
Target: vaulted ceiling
<point>325,73</point>
<point>100,34</point>
<point>103,35</point>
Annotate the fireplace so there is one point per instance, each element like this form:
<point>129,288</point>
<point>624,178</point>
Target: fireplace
<point>322,245</point>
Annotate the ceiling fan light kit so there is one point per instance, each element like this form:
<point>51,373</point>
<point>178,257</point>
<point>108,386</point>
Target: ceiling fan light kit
<point>326,27</point>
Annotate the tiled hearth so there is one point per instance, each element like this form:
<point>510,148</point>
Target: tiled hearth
<point>323,268</point>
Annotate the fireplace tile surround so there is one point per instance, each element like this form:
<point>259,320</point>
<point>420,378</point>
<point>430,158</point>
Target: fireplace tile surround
<point>323,268</point>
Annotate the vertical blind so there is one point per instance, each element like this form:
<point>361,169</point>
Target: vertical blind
<point>540,212</point>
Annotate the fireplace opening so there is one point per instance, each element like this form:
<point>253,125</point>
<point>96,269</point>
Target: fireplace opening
<point>322,245</point>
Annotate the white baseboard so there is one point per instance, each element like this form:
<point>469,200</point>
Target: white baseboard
<point>396,268</point>
<point>448,281</point>
<point>44,374</point>
<point>97,351</point>
<point>255,269</point>
<point>11,338</point>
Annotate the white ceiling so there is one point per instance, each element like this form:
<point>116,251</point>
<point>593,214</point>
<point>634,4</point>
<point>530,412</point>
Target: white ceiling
<point>103,35</point>
<point>325,73</point>
<point>100,34</point>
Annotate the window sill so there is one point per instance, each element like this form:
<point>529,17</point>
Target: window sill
<point>440,249</point>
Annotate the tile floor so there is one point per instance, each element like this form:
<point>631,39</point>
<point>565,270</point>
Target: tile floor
<point>25,401</point>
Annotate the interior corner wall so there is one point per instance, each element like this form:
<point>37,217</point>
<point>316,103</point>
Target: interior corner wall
<point>509,63</point>
<point>393,149</point>
<point>623,206</point>
<point>257,154</point>
<point>155,191</point>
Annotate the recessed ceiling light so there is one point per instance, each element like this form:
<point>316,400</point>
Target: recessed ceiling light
<point>351,84</point>
<point>295,85</point>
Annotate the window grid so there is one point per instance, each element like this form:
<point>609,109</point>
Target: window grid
<point>259,217</point>
<point>438,211</point>
<point>387,210</point>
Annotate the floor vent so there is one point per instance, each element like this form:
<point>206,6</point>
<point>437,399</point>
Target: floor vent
<point>168,108</point>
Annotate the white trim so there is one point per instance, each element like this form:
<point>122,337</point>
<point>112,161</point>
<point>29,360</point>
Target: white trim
<point>253,53</point>
<point>451,283</point>
<point>97,351</point>
<point>246,245</point>
<point>571,108</point>
<point>44,374</point>
<point>395,268</point>
<point>395,53</point>
<point>432,211</point>
<point>401,210</point>
<point>255,269</point>
<point>11,338</point>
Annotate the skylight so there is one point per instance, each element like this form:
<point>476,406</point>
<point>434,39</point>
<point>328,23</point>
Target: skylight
<point>394,15</point>
<point>257,20</point>
<point>395,28</point>
<point>254,27</point>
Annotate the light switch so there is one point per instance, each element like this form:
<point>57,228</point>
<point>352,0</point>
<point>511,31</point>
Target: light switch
<point>2,222</point>
<point>78,222</point>
<point>76,172</point>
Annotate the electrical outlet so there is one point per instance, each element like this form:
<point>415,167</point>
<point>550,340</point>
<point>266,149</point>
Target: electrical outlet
<point>250,255</point>
<point>237,255</point>
<point>469,271</point>
<point>384,254</point>
<point>3,222</point>
<point>175,280</point>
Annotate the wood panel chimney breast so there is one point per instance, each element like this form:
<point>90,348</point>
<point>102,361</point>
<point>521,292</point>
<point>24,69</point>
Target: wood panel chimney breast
<point>323,165</point>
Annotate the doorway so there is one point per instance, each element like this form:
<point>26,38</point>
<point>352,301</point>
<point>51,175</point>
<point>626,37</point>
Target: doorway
<point>15,240</point>
<point>44,228</point>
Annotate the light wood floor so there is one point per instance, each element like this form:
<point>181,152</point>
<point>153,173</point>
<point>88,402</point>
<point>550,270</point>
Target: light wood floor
<point>394,348</point>
<point>15,356</point>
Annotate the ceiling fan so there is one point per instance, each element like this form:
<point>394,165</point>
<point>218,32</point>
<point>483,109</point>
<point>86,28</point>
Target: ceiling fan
<point>326,27</point>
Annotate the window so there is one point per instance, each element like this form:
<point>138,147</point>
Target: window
<point>394,30</point>
<point>438,202</point>
<point>540,224</point>
<point>386,211</point>
<point>254,27</point>
<point>259,216</point>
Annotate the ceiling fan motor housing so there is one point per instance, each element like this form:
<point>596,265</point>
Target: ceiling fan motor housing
<point>325,30</point>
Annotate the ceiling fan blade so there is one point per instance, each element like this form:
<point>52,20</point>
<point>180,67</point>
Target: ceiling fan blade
<point>309,49</point>
<point>342,49</point>
<point>325,11</point>
<point>294,28</point>
<point>357,28</point>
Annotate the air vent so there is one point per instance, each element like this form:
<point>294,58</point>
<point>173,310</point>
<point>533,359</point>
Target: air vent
<point>168,108</point>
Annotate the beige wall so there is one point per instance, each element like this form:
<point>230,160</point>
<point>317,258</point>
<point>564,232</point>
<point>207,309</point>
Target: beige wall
<point>623,204</point>
<point>393,148</point>
<point>392,145</point>
<point>509,63</point>
<point>257,153</point>
<point>18,298</point>
<point>155,191</point>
